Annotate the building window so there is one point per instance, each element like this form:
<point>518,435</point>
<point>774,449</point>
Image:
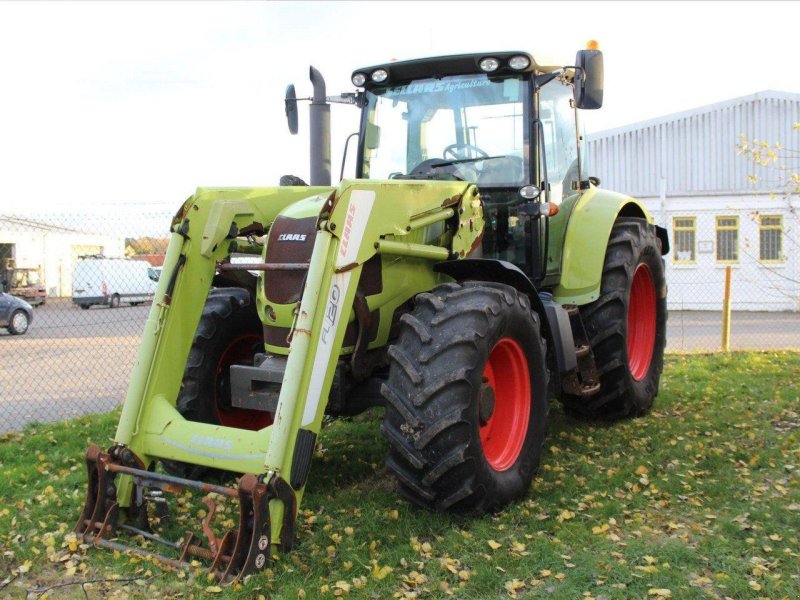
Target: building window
<point>684,232</point>
<point>770,237</point>
<point>727,239</point>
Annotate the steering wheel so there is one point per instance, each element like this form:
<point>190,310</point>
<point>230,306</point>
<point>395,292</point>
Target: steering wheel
<point>461,151</point>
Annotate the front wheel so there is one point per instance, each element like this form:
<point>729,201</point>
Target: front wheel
<point>19,323</point>
<point>627,324</point>
<point>466,398</point>
<point>229,333</point>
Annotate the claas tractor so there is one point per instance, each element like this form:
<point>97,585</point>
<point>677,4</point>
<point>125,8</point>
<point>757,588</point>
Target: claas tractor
<point>470,274</point>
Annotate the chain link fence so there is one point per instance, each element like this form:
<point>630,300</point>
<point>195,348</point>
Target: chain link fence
<point>91,279</point>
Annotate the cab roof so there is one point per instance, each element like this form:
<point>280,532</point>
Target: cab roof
<point>442,66</point>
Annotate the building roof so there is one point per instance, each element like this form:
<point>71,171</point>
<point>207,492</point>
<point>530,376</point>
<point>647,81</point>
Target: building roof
<point>11,223</point>
<point>695,151</point>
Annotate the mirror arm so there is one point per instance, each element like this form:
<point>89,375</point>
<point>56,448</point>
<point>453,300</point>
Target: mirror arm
<point>542,80</point>
<point>344,98</point>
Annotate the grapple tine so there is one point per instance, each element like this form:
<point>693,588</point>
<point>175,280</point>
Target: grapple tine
<point>279,488</point>
<point>233,556</point>
<point>91,490</point>
<point>100,508</point>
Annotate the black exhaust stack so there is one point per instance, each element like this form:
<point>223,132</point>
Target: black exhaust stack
<point>320,116</point>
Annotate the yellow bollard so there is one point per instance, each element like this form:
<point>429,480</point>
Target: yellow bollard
<point>726,312</point>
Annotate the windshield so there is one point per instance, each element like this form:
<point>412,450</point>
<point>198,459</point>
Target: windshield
<point>466,127</point>
<point>24,278</point>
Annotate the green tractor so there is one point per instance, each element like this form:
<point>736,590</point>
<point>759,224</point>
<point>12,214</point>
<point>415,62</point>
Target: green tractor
<point>470,274</point>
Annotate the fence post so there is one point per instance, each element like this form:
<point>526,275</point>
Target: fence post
<point>726,312</point>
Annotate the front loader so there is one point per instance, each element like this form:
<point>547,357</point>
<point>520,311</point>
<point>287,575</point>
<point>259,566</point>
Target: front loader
<point>471,272</point>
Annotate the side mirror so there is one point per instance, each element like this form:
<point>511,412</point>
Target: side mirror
<point>291,108</point>
<point>589,79</point>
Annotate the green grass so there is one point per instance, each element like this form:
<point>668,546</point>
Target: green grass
<point>701,498</point>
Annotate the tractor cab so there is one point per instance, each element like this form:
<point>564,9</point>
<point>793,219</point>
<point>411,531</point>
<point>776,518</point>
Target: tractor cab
<point>498,120</point>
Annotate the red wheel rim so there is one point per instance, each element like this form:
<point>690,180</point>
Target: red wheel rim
<point>238,352</point>
<point>641,322</point>
<point>504,433</point>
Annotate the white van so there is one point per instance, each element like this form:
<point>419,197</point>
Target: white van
<point>111,281</point>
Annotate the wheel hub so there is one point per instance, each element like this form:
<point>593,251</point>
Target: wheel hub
<point>19,321</point>
<point>504,409</point>
<point>641,337</point>
<point>239,351</point>
<point>486,403</point>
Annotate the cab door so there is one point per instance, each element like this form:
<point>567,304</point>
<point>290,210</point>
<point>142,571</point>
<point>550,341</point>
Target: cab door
<point>560,169</point>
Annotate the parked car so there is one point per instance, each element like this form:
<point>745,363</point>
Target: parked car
<point>16,315</point>
<point>111,281</point>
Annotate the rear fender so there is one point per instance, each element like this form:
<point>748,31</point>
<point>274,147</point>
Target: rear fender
<point>588,231</point>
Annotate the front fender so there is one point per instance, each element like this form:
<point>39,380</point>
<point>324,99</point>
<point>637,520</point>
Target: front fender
<point>588,231</point>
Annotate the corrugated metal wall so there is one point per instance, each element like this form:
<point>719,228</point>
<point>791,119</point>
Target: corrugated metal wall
<point>695,151</point>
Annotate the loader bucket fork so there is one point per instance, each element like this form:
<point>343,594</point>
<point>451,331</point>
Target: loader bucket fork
<point>236,554</point>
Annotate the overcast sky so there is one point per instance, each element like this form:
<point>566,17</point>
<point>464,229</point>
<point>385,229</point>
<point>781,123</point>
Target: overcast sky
<point>139,103</point>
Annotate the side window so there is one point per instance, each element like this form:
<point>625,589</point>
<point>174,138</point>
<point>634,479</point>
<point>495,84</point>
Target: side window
<point>727,239</point>
<point>770,238</point>
<point>389,157</point>
<point>558,126</point>
<point>684,230</point>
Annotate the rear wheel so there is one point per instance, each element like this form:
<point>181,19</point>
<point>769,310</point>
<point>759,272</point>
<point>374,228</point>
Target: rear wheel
<point>466,398</point>
<point>229,333</point>
<point>627,324</point>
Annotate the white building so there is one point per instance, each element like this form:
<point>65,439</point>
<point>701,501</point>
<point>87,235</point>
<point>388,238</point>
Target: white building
<point>52,249</point>
<point>686,169</point>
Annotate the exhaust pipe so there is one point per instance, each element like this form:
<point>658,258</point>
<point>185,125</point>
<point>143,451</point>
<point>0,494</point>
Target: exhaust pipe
<point>320,114</point>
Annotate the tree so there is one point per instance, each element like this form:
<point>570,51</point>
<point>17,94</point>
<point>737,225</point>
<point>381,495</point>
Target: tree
<point>146,245</point>
<point>779,166</point>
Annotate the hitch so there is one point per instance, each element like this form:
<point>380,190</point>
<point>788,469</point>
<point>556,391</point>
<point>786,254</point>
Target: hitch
<point>236,554</point>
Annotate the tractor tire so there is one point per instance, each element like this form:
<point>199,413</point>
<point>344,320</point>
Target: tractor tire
<point>229,332</point>
<point>626,325</point>
<point>466,398</point>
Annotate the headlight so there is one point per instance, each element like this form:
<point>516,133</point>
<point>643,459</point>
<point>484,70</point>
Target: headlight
<point>489,64</point>
<point>380,75</point>
<point>529,192</point>
<point>359,79</point>
<point>518,63</point>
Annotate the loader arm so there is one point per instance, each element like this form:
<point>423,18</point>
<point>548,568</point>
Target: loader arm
<point>276,459</point>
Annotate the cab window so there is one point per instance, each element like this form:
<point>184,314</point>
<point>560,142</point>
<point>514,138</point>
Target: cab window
<point>560,143</point>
